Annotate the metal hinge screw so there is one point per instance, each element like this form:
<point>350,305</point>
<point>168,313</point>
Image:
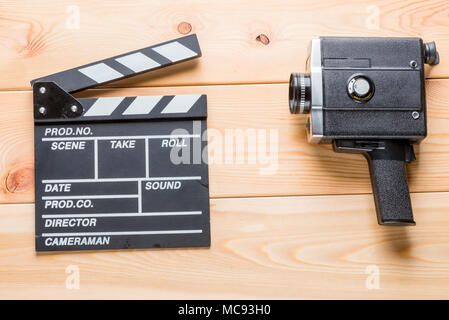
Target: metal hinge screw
<point>42,110</point>
<point>413,64</point>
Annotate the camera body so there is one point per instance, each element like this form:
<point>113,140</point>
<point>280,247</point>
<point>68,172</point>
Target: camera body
<point>367,96</point>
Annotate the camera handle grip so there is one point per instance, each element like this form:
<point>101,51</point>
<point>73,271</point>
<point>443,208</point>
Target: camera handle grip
<point>386,161</point>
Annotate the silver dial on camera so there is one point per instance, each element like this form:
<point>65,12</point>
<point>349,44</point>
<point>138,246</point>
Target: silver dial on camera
<point>360,88</point>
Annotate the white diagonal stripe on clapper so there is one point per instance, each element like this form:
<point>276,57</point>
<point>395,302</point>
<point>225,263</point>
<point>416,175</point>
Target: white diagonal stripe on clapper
<point>181,103</point>
<point>174,51</point>
<point>138,62</point>
<point>103,106</point>
<point>142,105</point>
<point>100,72</point>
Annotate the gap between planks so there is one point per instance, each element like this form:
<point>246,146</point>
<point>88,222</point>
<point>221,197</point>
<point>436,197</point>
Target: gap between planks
<point>274,197</point>
<point>112,87</point>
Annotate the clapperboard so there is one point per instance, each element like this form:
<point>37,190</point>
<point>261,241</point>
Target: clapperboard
<point>120,172</point>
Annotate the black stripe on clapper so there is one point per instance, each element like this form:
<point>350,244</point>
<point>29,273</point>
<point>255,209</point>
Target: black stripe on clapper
<point>199,109</point>
<point>87,103</point>
<point>161,105</point>
<point>191,42</point>
<point>150,53</point>
<point>118,112</point>
<point>120,68</point>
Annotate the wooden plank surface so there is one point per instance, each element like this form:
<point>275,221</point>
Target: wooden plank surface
<point>307,228</point>
<point>297,167</point>
<point>41,37</point>
<point>309,247</point>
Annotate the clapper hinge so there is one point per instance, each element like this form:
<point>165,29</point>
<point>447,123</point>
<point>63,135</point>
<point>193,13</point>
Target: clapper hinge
<point>52,102</point>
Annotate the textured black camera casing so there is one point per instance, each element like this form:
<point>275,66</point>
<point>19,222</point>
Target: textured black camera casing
<point>396,68</point>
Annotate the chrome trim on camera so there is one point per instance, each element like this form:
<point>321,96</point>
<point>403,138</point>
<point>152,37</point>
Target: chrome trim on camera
<point>316,128</point>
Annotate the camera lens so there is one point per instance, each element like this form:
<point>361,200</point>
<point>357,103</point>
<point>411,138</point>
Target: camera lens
<point>299,93</point>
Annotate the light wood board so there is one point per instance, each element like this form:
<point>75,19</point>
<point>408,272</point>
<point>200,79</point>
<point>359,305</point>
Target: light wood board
<point>288,247</point>
<point>40,37</point>
<point>307,229</point>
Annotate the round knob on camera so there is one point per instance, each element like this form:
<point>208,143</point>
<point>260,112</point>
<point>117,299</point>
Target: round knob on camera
<point>431,55</point>
<point>360,88</point>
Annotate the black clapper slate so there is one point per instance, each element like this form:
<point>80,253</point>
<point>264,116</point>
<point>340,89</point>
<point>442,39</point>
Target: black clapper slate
<point>121,172</point>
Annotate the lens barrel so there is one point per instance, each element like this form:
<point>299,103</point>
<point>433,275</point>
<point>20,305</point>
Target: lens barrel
<point>300,93</point>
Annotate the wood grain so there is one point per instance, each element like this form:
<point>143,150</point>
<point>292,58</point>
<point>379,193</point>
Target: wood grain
<point>287,247</point>
<point>262,41</point>
<point>300,168</point>
<point>295,233</point>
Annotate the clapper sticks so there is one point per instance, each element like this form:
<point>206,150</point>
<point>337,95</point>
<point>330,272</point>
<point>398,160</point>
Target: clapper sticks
<point>120,172</point>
